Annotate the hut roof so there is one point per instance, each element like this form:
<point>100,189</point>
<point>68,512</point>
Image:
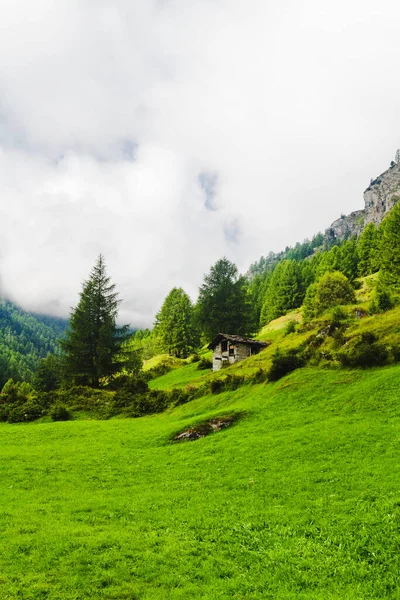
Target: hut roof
<point>236,339</point>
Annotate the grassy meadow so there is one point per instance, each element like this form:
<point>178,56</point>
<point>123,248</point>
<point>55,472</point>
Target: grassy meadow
<point>299,499</point>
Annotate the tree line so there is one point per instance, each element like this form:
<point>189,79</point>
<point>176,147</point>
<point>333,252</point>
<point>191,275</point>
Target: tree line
<point>95,350</point>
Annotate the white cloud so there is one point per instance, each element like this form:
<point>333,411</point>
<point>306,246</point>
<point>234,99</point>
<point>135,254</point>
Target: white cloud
<point>110,111</point>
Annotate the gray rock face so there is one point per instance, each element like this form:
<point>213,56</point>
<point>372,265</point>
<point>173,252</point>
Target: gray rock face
<point>381,195</point>
<point>346,227</point>
<point>379,198</point>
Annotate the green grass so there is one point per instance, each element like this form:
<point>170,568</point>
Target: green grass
<point>180,377</point>
<point>298,500</point>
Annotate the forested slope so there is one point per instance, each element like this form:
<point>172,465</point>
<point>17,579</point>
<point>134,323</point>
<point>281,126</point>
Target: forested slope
<point>24,339</point>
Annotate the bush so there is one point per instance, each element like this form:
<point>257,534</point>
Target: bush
<point>331,290</point>
<point>153,401</point>
<point>60,413</point>
<point>363,351</point>
<point>381,301</point>
<point>217,386</point>
<point>99,402</point>
<point>233,382</point>
<point>24,413</point>
<point>205,363</point>
<point>260,376</point>
<point>284,363</point>
<point>133,386</point>
<point>290,327</point>
<point>166,365</point>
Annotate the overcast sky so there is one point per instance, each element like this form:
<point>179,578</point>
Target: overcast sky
<point>166,134</point>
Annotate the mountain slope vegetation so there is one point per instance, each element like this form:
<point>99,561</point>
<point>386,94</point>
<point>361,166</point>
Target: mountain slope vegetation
<point>25,339</point>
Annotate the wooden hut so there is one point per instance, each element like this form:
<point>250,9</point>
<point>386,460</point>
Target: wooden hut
<point>229,349</point>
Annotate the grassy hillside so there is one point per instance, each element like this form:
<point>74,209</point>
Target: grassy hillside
<point>356,322</point>
<point>298,500</point>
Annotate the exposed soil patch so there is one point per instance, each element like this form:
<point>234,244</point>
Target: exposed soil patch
<point>202,429</point>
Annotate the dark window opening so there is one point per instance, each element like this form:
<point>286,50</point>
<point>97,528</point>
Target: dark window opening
<point>231,350</point>
<point>224,346</point>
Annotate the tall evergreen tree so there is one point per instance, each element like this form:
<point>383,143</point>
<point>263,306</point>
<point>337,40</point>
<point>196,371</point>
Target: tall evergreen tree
<point>348,263</point>
<point>224,302</point>
<point>330,261</point>
<point>175,327</point>
<point>389,251</point>
<point>92,344</point>
<point>285,291</point>
<point>367,248</point>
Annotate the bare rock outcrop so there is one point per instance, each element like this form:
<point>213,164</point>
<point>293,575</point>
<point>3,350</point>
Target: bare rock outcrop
<point>379,198</point>
<point>382,194</point>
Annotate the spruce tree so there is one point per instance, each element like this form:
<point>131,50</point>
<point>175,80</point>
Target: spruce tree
<point>175,327</point>
<point>224,304</point>
<point>348,263</point>
<point>92,345</point>
<point>367,247</point>
<point>330,261</point>
<point>389,251</point>
<point>285,291</point>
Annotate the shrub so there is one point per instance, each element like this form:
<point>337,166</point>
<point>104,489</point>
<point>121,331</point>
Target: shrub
<point>153,401</point>
<point>382,301</point>
<point>99,402</point>
<point>290,327</point>
<point>217,386</point>
<point>60,413</point>
<point>331,290</point>
<point>260,376</point>
<point>133,386</point>
<point>24,413</point>
<point>363,351</point>
<point>179,396</point>
<point>284,363</point>
<point>233,382</point>
<point>205,363</point>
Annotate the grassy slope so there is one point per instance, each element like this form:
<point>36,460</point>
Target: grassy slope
<point>299,500</point>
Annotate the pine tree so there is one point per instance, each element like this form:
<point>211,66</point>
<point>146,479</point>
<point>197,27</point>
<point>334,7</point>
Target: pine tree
<point>224,304</point>
<point>92,345</point>
<point>175,327</point>
<point>397,157</point>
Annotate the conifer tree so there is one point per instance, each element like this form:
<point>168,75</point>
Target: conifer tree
<point>175,327</point>
<point>330,261</point>
<point>389,251</point>
<point>348,262</point>
<point>224,304</point>
<point>92,345</point>
<point>285,291</point>
<point>367,248</point>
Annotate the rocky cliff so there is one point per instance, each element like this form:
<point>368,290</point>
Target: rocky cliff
<point>379,198</point>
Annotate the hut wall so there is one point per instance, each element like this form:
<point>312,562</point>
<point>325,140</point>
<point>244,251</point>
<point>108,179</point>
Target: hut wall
<point>240,352</point>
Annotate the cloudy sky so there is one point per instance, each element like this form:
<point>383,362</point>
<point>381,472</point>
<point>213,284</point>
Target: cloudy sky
<point>168,133</point>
